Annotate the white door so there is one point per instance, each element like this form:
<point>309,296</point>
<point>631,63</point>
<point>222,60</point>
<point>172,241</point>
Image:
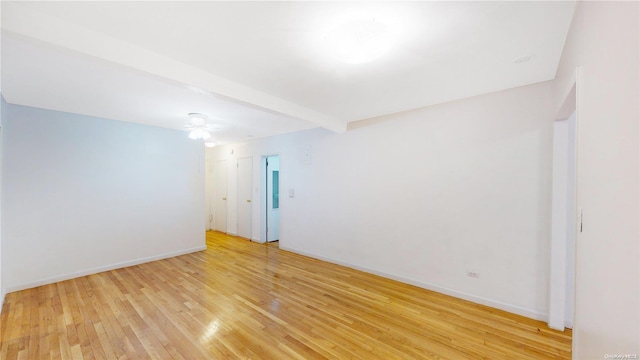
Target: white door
<point>220,172</point>
<point>245,173</point>
<point>273,198</point>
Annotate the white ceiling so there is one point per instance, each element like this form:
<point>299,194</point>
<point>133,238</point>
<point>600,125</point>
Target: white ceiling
<point>262,68</point>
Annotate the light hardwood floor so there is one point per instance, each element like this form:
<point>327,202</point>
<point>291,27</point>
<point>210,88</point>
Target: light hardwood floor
<point>244,300</point>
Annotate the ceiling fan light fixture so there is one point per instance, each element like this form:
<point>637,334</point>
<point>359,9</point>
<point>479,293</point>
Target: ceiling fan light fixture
<point>199,127</point>
<point>198,119</point>
<point>196,134</point>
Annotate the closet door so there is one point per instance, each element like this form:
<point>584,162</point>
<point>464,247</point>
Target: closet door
<point>245,183</point>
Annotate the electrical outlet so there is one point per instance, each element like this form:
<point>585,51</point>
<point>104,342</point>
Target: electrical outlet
<point>473,274</point>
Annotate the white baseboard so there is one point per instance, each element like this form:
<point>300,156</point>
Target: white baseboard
<point>58,278</point>
<point>568,324</point>
<point>514,309</point>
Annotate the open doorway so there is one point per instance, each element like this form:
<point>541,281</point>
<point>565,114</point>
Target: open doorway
<point>271,195</point>
<point>565,217</point>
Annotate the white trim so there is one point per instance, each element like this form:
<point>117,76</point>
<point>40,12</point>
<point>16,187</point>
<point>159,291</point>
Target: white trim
<point>568,324</point>
<point>58,278</point>
<point>3,293</point>
<point>557,301</point>
<point>514,309</point>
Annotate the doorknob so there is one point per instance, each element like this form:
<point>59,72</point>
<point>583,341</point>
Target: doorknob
<point>224,198</point>
<point>248,200</point>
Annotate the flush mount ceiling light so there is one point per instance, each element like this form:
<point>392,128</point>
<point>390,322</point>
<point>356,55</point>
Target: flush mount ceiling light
<point>359,41</point>
<point>199,127</point>
<point>209,143</point>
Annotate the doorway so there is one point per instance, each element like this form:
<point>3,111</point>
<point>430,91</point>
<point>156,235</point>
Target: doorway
<point>272,197</point>
<point>565,224</point>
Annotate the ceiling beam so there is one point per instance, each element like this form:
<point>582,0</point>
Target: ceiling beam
<point>25,22</point>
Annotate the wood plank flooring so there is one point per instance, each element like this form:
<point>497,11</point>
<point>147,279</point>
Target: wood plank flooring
<point>241,300</point>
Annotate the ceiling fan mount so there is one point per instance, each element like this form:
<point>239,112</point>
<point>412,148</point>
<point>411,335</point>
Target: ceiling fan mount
<point>199,127</point>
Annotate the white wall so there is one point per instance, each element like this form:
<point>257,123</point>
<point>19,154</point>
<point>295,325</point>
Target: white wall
<point>427,195</point>
<point>83,194</point>
<point>604,45</point>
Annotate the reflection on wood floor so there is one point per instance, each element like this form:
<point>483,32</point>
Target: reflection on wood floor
<point>239,299</point>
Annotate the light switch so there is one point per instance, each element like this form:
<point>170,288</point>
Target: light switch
<point>292,193</point>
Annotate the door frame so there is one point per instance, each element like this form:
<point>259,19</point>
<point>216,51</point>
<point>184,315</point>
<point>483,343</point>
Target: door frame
<point>264,193</point>
<point>558,261</point>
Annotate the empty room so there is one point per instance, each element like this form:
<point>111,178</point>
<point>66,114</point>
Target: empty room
<point>320,180</point>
